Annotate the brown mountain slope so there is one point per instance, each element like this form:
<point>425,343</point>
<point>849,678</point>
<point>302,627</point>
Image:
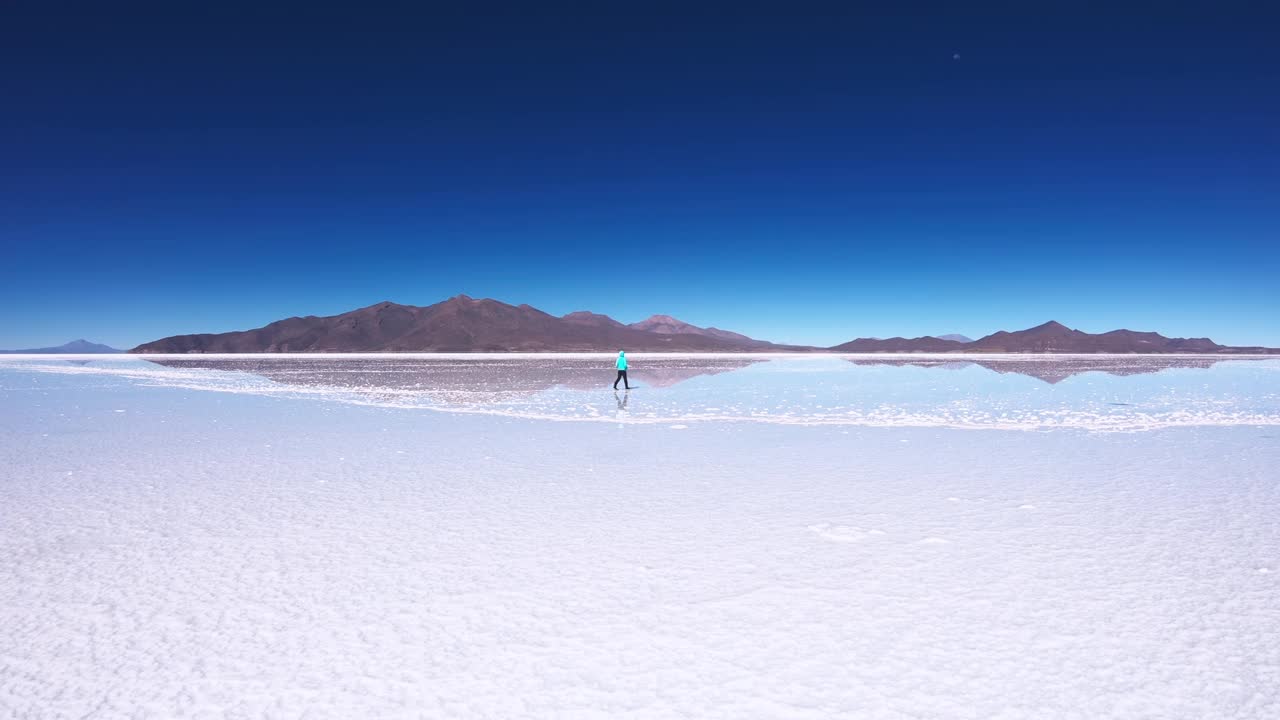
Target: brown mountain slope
<point>464,324</point>
<point>667,325</point>
<point>927,344</point>
<point>459,324</point>
<point>1051,337</point>
<point>584,317</point>
<point>1054,337</point>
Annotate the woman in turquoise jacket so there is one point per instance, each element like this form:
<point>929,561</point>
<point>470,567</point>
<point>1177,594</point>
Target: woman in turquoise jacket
<point>622,371</point>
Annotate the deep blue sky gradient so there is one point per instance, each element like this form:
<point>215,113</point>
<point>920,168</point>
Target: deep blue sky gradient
<point>798,172</point>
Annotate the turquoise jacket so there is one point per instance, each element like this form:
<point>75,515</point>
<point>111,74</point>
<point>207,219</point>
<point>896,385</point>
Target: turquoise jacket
<point>622,361</point>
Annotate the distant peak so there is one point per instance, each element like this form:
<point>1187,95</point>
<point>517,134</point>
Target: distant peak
<point>383,305</point>
<point>75,346</point>
<point>1051,325</point>
<point>654,321</point>
<point>462,297</point>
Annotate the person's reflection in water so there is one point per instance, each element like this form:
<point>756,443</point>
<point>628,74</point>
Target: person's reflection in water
<point>622,399</point>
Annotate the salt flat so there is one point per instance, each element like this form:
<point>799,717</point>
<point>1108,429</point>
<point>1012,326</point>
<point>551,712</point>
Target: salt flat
<point>741,536</point>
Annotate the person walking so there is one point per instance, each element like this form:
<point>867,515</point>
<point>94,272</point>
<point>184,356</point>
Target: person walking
<point>622,371</point>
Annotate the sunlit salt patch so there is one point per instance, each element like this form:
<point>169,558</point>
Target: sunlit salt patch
<point>843,533</point>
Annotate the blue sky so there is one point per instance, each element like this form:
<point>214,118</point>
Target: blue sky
<point>830,172</point>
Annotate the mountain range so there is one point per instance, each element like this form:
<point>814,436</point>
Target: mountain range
<point>75,347</point>
<point>465,324</point>
<point>1051,337</point>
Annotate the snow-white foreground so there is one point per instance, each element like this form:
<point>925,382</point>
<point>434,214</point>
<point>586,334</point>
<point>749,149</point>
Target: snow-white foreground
<point>211,545</point>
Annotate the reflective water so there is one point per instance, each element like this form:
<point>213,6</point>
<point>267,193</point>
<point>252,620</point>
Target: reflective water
<point>1096,392</point>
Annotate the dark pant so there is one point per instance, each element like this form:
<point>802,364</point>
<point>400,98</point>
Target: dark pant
<point>622,375</point>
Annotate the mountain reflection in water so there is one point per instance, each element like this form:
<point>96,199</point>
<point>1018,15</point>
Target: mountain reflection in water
<point>1054,369</point>
<point>494,380</point>
<point>465,380</point>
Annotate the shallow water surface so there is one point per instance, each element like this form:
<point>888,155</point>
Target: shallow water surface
<point>1016,392</point>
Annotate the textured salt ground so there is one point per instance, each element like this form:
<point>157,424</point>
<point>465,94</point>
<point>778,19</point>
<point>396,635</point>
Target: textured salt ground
<point>169,553</point>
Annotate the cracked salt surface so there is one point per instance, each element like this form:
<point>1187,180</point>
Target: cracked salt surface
<point>279,552</point>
